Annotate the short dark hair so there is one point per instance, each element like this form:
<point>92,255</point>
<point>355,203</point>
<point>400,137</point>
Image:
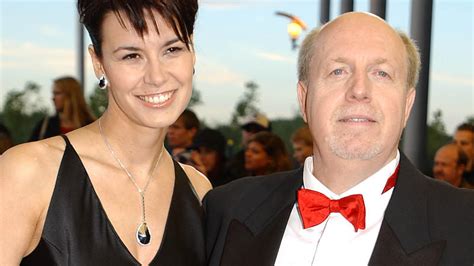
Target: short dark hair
<point>179,14</point>
<point>466,127</point>
<point>190,119</point>
<point>462,157</point>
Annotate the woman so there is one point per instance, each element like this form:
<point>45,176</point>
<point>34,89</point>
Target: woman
<point>109,193</point>
<point>209,155</point>
<point>71,110</point>
<point>266,154</point>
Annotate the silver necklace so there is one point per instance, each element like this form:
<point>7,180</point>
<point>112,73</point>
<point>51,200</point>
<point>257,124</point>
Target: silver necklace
<point>142,235</point>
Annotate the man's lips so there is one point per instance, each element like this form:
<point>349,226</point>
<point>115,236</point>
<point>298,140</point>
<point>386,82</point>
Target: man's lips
<point>357,119</point>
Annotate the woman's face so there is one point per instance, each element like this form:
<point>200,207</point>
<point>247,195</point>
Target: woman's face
<point>150,78</point>
<point>58,98</point>
<point>208,158</point>
<point>256,159</point>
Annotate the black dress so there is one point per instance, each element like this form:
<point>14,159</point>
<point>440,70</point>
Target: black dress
<point>77,230</point>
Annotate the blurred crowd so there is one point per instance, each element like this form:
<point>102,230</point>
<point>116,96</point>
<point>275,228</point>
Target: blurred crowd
<point>260,152</point>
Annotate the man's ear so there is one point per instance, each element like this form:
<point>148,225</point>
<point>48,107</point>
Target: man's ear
<point>98,69</point>
<point>410,100</point>
<point>302,94</point>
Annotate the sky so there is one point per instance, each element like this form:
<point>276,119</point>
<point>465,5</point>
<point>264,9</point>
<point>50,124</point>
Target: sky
<point>236,41</point>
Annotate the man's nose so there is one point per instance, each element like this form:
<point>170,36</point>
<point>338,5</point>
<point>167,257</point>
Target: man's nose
<point>359,88</point>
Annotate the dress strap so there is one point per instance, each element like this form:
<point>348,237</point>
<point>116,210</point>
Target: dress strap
<point>68,143</point>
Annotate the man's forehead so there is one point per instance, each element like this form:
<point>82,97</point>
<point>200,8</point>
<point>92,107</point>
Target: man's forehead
<point>342,42</point>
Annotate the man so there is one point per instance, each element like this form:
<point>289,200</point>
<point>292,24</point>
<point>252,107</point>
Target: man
<point>302,143</point>
<point>181,134</point>
<point>449,165</point>
<point>250,126</point>
<point>464,138</point>
<point>357,200</point>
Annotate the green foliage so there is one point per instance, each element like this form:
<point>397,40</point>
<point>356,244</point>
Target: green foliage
<point>98,101</point>
<point>284,128</point>
<point>247,104</point>
<point>437,137</point>
<point>470,119</point>
<point>22,110</point>
<point>195,98</point>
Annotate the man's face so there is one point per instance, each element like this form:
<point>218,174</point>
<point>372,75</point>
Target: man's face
<point>356,97</point>
<point>446,167</point>
<point>301,150</point>
<point>465,140</point>
<point>179,136</point>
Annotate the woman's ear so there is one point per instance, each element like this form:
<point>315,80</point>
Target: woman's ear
<point>98,69</point>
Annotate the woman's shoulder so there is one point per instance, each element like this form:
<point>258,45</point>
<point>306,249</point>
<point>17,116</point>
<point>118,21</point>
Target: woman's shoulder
<point>199,181</point>
<point>29,161</point>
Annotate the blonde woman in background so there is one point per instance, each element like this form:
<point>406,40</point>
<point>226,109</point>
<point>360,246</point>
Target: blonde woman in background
<point>72,111</point>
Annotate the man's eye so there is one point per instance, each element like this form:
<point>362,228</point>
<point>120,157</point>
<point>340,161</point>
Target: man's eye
<point>131,56</point>
<point>382,74</point>
<point>337,72</point>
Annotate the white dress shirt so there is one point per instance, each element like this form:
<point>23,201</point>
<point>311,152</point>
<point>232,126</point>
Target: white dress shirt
<point>334,241</point>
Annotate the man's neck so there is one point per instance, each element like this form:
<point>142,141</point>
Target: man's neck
<point>340,175</point>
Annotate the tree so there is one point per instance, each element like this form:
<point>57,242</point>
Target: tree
<point>98,101</point>
<point>22,110</point>
<point>436,138</point>
<point>195,98</point>
<point>247,103</point>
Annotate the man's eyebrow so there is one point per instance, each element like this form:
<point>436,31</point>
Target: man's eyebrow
<point>380,61</point>
<point>340,60</point>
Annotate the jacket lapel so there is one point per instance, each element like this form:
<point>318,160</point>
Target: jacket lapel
<point>404,237</point>
<point>255,240</point>
<point>389,251</point>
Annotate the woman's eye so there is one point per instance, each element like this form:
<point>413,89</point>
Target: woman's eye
<point>131,56</point>
<point>173,50</point>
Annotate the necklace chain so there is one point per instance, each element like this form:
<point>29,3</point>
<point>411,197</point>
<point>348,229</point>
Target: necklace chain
<point>130,176</point>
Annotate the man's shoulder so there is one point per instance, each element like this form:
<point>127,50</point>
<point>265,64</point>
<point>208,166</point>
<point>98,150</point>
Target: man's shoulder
<point>247,191</point>
<point>449,198</point>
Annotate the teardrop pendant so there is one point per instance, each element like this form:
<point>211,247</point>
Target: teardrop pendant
<point>143,234</point>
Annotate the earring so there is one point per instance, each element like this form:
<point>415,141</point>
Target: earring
<point>194,70</point>
<point>103,82</point>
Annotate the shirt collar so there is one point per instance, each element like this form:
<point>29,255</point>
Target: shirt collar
<point>370,187</point>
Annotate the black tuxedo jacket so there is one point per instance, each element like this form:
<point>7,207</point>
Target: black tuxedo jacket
<point>426,222</point>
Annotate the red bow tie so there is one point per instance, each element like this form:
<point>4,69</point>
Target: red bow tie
<point>315,207</point>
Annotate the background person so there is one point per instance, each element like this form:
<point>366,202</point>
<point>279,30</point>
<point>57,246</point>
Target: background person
<point>266,154</point>
<point>109,193</point>
<point>250,125</point>
<point>181,134</point>
<point>71,110</point>
<point>209,155</point>
<point>449,165</point>
<point>302,143</point>
<point>6,141</point>
<point>464,138</point>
